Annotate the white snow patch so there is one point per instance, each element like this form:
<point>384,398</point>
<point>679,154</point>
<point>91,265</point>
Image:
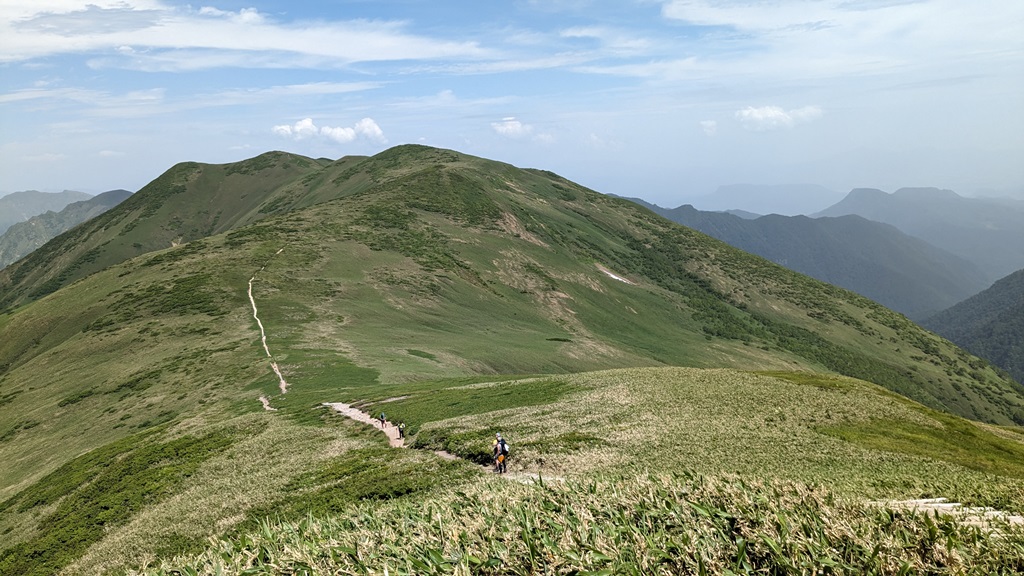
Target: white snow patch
<point>614,276</point>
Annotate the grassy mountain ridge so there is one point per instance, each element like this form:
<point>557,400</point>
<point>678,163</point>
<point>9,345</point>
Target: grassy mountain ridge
<point>448,279</point>
<point>188,202</point>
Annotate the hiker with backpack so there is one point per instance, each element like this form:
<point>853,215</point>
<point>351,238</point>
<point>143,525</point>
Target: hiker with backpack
<point>500,454</point>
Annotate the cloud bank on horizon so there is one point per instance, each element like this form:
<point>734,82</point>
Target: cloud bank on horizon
<point>658,99</point>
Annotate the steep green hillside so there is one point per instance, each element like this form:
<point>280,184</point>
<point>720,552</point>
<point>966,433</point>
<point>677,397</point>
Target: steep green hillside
<point>989,324</point>
<point>433,285</point>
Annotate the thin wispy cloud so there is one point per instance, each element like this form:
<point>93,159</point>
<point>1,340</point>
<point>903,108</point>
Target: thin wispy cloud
<point>512,128</point>
<point>767,118</point>
<point>157,36</point>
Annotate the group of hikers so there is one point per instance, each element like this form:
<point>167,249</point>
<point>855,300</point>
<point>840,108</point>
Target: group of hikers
<point>384,424</point>
<point>499,447</point>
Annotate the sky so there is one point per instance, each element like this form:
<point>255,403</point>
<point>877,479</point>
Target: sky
<point>663,100</point>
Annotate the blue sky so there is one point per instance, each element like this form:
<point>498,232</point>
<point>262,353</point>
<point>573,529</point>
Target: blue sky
<point>658,99</point>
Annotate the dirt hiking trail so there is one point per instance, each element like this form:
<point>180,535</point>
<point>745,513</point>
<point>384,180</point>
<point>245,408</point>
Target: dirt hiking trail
<point>980,517</point>
<point>388,428</point>
<point>391,430</point>
<point>282,383</point>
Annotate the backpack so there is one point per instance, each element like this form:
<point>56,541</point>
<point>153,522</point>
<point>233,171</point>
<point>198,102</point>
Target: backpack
<point>504,447</point>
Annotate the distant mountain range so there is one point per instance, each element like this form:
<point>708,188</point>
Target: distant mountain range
<point>988,232</point>
<point>24,237</point>
<point>989,324</point>
<point>873,259</point>
<point>20,206</point>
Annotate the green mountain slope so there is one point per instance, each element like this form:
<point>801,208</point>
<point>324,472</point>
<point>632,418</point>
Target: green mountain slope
<point>873,259</point>
<point>989,324</point>
<point>24,237</point>
<point>188,202</point>
<point>430,283</point>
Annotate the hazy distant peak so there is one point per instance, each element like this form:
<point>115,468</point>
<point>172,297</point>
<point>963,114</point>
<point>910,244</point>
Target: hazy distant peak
<point>926,193</point>
<point>36,193</point>
<point>866,193</point>
<point>785,199</point>
<point>744,214</point>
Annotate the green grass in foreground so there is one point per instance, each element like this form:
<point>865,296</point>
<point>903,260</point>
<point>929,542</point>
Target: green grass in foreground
<point>99,491</point>
<point>956,441</point>
<point>442,400</point>
<point>754,425</point>
<point>663,524</point>
<point>288,494</point>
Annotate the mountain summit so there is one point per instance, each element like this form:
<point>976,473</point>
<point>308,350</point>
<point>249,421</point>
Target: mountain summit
<point>985,231</point>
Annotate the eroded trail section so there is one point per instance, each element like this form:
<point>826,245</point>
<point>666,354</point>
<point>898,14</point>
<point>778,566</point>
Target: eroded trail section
<point>981,517</point>
<point>282,383</point>
<point>394,439</point>
<point>388,428</point>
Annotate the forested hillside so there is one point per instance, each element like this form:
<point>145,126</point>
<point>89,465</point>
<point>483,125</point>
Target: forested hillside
<point>990,324</point>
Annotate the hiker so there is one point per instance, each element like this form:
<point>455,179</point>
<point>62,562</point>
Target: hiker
<point>383,421</point>
<point>401,429</point>
<point>500,454</point>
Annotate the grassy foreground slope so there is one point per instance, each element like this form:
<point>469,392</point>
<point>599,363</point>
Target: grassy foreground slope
<point>131,426</point>
<point>650,470</point>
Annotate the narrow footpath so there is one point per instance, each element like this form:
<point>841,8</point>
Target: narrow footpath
<point>394,439</point>
<point>388,428</point>
<point>282,383</point>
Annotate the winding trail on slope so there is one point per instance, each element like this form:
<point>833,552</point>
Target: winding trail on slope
<point>282,383</point>
<point>388,428</point>
<point>391,430</point>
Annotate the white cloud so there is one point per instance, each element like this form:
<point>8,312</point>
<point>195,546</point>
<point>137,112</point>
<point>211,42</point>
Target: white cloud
<point>849,36</point>
<point>368,128</point>
<point>306,128</point>
<point>151,35</point>
<point>110,154</point>
<point>512,128</point>
<point>767,118</point>
<point>339,134</point>
<point>244,16</point>
<point>710,127</point>
<point>617,42</point>
<point>300,130</point>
